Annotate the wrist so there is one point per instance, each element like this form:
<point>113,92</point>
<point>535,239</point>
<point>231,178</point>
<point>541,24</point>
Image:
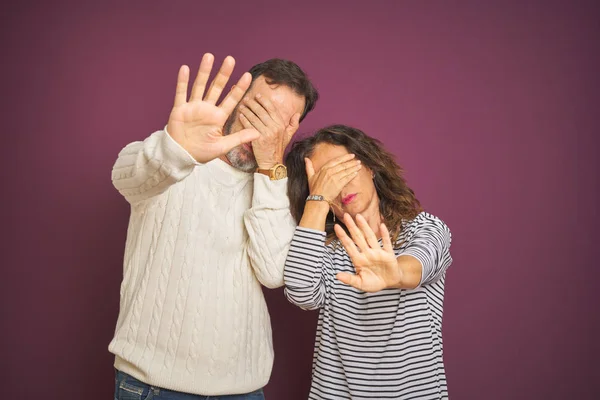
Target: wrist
<point>408,274</point>
<point>314,215</point>
<point>268,164</point>
<point>396,284</point>
<point>278,171</point>
<point>319,206</point>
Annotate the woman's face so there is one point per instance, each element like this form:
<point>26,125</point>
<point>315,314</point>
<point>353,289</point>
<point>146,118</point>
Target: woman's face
<point>359,195</point>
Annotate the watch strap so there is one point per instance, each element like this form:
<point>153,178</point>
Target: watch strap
<point>315,197</point>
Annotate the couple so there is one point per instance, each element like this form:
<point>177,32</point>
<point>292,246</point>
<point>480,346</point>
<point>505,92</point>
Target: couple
<point>215,214</point>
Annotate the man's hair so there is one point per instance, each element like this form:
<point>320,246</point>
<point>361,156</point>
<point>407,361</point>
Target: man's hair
<point>283,72</point>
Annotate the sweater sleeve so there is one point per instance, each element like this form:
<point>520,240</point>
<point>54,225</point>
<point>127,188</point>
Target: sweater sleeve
<point>430,244</point>
<point>270,227</point>
<point>306,269</point>
<point>148,168</point>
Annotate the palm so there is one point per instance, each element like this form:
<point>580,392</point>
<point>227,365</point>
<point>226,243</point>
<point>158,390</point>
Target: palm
<point>375,265</point>
<point>197,114</point>
<point>375,269</point>
<point>197,124</point>
<point>198,127</point>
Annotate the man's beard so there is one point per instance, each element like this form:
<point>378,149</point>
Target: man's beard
<point>240,157</point>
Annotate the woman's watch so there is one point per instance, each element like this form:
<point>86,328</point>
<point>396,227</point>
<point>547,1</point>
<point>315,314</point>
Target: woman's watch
<point>276,172</point>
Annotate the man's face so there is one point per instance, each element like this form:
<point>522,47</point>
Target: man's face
<point>287,102</point>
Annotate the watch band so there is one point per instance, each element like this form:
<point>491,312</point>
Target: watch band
<point>266,172</point>
<point>316,197</point>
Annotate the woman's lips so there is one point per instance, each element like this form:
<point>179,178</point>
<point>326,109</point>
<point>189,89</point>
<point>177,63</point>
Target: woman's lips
<point>348,199</point>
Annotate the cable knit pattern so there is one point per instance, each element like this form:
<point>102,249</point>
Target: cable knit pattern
<point>201,240</point>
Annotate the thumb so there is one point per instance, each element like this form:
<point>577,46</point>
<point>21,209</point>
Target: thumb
<point>350,279</point>
<point>310,170</point>
<point>235,139</point>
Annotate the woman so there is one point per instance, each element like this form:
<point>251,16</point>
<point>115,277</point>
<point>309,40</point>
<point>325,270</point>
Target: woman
<point>373,262</point>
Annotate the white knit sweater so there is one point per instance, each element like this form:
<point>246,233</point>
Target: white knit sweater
<point>201,239</point>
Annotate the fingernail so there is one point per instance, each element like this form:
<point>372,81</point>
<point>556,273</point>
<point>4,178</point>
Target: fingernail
<point>258,96</point>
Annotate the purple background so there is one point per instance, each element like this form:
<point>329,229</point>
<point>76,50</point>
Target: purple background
<point>491,108</point>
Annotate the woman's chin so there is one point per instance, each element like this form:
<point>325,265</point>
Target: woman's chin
<point>348,210</point>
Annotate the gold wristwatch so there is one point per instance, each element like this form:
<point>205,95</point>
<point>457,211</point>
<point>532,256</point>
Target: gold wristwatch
<point>278,171</point>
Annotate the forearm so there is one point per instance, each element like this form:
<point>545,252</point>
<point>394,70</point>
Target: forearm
<point>430,246</point>
<point>411,274</point>
<point>315,215</point>
<point>148,168</point>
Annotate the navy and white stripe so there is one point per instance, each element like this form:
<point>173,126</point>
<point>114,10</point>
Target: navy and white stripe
<point>384,345</point>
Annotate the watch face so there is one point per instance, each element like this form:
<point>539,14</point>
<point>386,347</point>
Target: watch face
<point>280,172</point>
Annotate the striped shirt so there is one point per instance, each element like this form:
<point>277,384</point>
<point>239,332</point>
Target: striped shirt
<point>384,345</point>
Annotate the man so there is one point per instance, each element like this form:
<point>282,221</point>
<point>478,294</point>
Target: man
<point>209,223</point>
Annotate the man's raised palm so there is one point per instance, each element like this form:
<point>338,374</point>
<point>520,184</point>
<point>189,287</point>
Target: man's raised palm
<point>197,124</point>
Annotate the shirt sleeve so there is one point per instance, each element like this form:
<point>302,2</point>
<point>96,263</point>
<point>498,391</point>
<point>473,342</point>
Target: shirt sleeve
<point>270,227</point>
<point>146,169</point>
<point>430,244</point>
<point>306,269</point>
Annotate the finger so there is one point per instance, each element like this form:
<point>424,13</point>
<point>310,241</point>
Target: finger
<point>385,238</point>
<point>310,170</point>
<point>250,116</point>
<point>292,127</point>
<point>350,279</point>
<point>245,123</point>
<point>345,177</point>
<point>367,232</point>
<point>259,110</point>
<point>203,73</point>
<point>218,84</point>
<point>338,160</point>
<point>356,233</point>
<point>236,93</point>
<point>346,241</point>
<point>345,168</point>
<point>182,83</point>
<point>268,106</point>
<point>235,139</point>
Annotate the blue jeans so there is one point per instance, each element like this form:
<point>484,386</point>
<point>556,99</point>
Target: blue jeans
<point>129,388</point>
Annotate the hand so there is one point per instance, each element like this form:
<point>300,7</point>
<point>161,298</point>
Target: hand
<point>275,134</point>
<point>376,266</point>
<point>332,177</point>
<point>197,124</point>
